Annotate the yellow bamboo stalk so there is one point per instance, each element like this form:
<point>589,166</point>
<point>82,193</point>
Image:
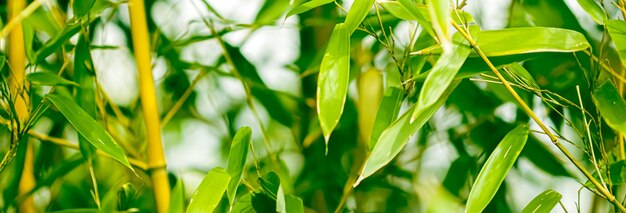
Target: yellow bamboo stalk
<point>156,158</point>
<point>17,61</point>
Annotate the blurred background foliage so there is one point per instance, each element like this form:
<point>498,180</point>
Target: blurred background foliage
<point>204,49</point>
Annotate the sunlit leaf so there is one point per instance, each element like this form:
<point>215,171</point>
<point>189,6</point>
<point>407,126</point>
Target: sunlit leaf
<point>495,169</point>
<point>444,71</point>
<point>306,6</point>
<point>89,128</point>
<point>594,10</point>
<point>55,42</point>
<point>84,75</point>
<point>237,160</point>
<point>48,79</point>
<point>388,111</point>
<point>611,105</point>
<point>333,77</point>
<point>210,191</point>
<point>177,199</point>
<point>358,11</point>
<point>525,40</point>
<point>399,11</point>
<point>397,135</point>
<point>543,203</point>
<point>617,31</point>
<point>440,16</point>
<point>286,203</point>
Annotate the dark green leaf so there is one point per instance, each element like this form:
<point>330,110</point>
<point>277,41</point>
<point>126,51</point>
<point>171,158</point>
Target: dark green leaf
<point>55,42</point>
<point>495,169</point>
<point>89,128</point>
<point>611,105</point>
<point>48,79</point>
<point>82,7</point>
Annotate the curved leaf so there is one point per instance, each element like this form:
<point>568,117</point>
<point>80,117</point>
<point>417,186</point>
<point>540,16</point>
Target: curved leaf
<point>237,160</point>
<point>82,7</point>
<point>89,128</point>
<point>210,191</point>
<point>617,31</point>
<point>495,169</point>
<point>358,11</point>
<point>306,6</point>
<point>333,77</point>
<point>438,11</point>
<point>370,89</point>
<point>442,74</point>
<point>594,10</point>
<point>543,203</point>
<point>611,105</point>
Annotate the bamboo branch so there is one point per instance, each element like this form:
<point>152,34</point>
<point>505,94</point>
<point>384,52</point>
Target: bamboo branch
<point>156,157</point>
<point>603,191</point>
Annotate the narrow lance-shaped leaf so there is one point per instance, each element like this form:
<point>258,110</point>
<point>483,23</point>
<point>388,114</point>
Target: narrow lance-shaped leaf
<point>594,10</point>
<point>82,7</point>
<point>210,191</point>
<point>177,200</point>
<point>86,92</point>
<point>387,112</point>
<point>398,10</point>
<point>333,77</point>
<point>237,160</point>
<point>440,15</point>
<point>442,74</point>
<point>89,128</point>
<point>358,12</point>
<point>47,79</point>
<point>495,169</point>
<point>611,105</point>
<point>524,40</point>
<point>397,135</point>
<point>420,17</point>
<point>370,88</point>
<point>286,203</point>
<point>306,6</point>
<point>543,203</point>
<point>617,31</point>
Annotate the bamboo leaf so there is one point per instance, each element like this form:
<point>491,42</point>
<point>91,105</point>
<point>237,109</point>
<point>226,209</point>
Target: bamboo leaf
<point>82,7</point>
<point>617,31</point>
<point>439,13</point>
<point>333,77</point>
<point>358,11</point>
<point>84,75</point>
<point>237,160</point>
<point>177,200</point>
<point>370,89</point>
<point>387,112</point>
<point>48,79</point>
<point>594,10</point>
<point>55,42</point>
<point>210,191</point>
<point>420,17</point>
<point>495,169</point>
<point>89,128</point>
<point>397,135</point>
<point>398,10</point>
<point>525,40</point>
<point>543,203</point>
<point>442,74</point>
<point>611,105</point>
<point>286,203</point>
<point>306,6</point>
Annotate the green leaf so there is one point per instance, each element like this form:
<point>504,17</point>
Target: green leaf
<point>84,75</point>
<point>442,74</point>
<point>398,10</point>
<point>55,42</point>
<point>521,75</point>
<point>306,6</point>
<point>333,78</point>
<point>543,203</point>
<point>617,31</point>
<point>387,112</point>
<point>438,11</point>
<point>525,40</point>
<point>419,16</point>
<point>271,10</point>
<point>397,135</point>
<point>82,7</point>
<point>237,160</point>
<point>177,200</point>
<point>48,79</point>
<point>495,169</point>
<point>370,91</point>
<point>288,203</point>
<point>29,35</point>
<point>210,191</point>
<point>594,10</point>
<point>611,105</point>
<point>89,128</point>
<point>358,12</point>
